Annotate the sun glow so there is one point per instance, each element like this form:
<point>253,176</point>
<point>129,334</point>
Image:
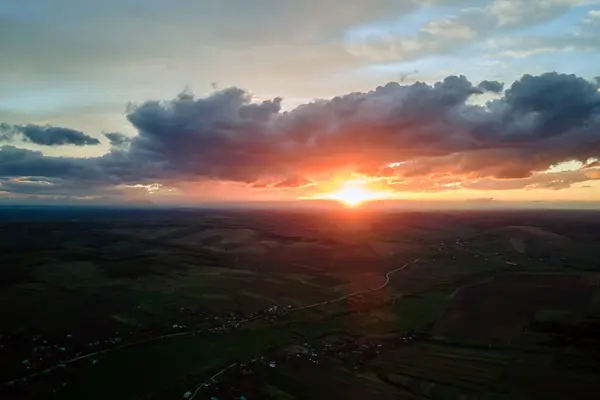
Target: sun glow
<point>354,193</point>
<point>353,196</point>
<point>353,190</point>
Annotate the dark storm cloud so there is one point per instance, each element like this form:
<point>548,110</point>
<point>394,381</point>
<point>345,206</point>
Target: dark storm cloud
<point>117,139</point>
<point>44,187</point>
<point>556,103</point>
<point>537,122</point>
<point>45,135</point>
<point>491,86</point>
<point>223,136</point>
<point>21,162</point>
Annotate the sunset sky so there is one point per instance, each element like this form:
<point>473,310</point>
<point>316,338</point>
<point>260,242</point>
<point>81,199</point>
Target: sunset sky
<point>188,102</point>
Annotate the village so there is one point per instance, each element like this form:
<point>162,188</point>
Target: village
<point>31,357</point>
<point>240,379</point>
<point>44,358</point>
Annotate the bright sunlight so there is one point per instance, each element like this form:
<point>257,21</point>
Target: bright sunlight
<point>353,196</point>
<point>354,192</point>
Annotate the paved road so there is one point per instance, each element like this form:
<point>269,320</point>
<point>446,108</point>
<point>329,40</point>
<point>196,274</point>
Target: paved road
<point>383,285</point>
<point>322,303</point>
<point>210,379</point>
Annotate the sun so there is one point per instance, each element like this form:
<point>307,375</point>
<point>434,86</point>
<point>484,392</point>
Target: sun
<point>353,196</point>
<point>354,192</point>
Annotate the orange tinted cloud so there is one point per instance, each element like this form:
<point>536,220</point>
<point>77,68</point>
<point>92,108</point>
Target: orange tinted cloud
<point>414,137</point>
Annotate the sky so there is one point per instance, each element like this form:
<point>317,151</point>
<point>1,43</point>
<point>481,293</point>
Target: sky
<point>189,102</point>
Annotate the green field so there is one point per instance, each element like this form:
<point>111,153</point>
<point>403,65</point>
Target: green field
<point>473,318</point>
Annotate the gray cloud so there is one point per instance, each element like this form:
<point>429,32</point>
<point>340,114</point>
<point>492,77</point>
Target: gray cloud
<point>16,162</point>
<point>117,139</point>
<point>435,130</point>
<point>45,135</point>
<point>491,86</point>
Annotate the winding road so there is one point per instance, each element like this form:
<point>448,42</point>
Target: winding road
<point>210,379</point>
<point>383,285</point>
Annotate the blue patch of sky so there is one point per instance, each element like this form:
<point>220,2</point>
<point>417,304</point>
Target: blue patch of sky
<point>580,63</point>
<point>403,25</point>
<point>559,26</point>
<point>38,102</point>
<point>435,66</point>
<point>470,60</point>
<point>407,25</point>
<point>46,11</point>
<point>465,60</point>
<point>54,99</point>
<point>23,10</point>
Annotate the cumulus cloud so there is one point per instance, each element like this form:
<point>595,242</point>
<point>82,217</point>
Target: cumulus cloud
<point>45,135</point>
<point>417,136</point>
<point>16,162</point>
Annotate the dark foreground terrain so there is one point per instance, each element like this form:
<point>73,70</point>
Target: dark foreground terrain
<point>347,304</point>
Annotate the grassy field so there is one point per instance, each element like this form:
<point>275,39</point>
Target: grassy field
<point>438,370</point>
<point>493,295</point>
